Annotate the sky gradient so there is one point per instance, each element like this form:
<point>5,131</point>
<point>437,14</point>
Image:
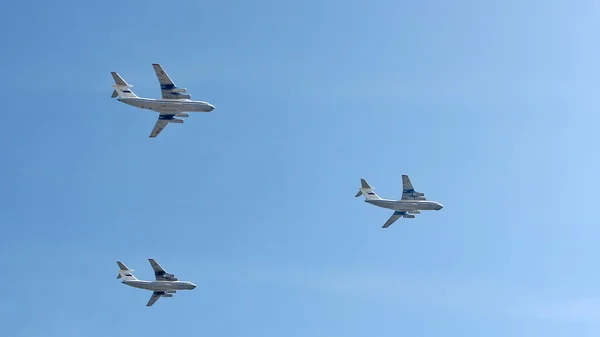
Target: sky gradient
<point>490,107</point>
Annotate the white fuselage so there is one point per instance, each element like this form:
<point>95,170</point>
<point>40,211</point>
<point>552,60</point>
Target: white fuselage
<point>407,205</point>
<point>161,286</point>
<point>168,106</point>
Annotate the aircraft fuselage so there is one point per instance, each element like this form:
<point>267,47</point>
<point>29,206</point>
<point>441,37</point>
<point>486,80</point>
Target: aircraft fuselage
<point>162,286</point>
<point>168,106</point>
<point>407,205</point>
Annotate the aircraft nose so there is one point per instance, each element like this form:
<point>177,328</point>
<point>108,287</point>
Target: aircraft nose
<point>193,286</point>
<point>210,107</point>
<point>440,206</point>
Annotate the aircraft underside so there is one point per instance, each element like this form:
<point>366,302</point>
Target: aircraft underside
<point>168,107</point>
<point>397,206</point>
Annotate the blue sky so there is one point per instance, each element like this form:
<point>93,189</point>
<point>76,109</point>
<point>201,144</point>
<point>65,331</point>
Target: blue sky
<point>490,107</point>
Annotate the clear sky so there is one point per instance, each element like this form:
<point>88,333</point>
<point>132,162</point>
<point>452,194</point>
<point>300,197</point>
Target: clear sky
<point>491,107</point>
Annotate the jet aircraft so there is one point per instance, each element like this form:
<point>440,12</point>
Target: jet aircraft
<point>412,202</point>
<point>165,285</point>
<point>174,103</point>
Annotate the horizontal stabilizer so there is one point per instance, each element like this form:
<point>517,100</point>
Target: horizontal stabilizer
<point>125,272</point>
<point>367,191</point>
<point>364,184</point>
<point>121,87</point>
<point>122,266</point>
<point>118,79</point>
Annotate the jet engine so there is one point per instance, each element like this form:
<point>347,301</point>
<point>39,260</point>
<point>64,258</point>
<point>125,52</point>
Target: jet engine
<point>182,114</point>
<point>171,291</point>
<point>170,277</point>
<point>182,90</point>
<point>167,295</point>
<point>420,198</point>
<point>176,121</point>
<point>409,216</point>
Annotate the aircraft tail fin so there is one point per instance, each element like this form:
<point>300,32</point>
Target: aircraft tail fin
<point>367,191</point>
<point>125,273</point>
<point>121,87</point>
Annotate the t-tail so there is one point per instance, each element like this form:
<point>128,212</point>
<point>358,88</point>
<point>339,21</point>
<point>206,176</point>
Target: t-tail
<point>367,191</point>
<point>125,272</point>
<point>121,87</point>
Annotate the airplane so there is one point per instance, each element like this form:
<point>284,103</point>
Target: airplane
<point>412,202</point>
<point>165,285</point>
<point>174,103</point>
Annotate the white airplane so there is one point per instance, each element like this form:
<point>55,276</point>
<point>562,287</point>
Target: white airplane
<point>174,102</point>
<point>412,202</point>
<point>165,285</point>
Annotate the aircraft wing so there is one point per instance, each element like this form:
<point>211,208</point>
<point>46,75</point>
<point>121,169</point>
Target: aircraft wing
<point>158,127</point>
<point>155,296</point>
<point>408,191</point>
<point>397,215</point>
<point>167,87</point>
<point>160,273</point>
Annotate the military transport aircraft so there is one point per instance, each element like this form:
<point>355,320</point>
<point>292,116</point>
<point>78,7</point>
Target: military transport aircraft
<point>165,285</point>
<point>174,102</point>
<point>412,202</point>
